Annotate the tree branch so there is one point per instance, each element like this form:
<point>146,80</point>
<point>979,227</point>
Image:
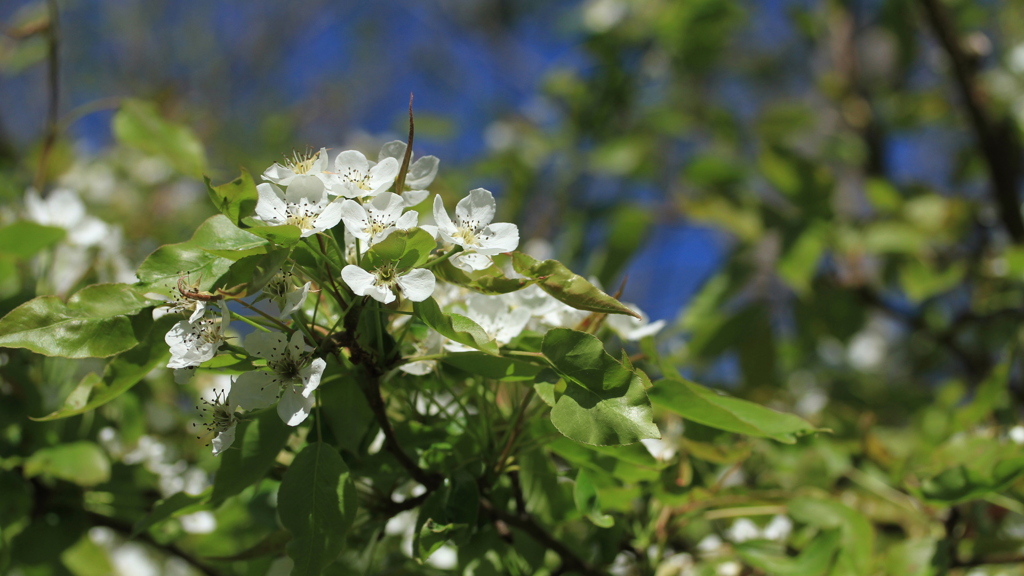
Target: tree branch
<point>571,562</point>
<point>999,144</point>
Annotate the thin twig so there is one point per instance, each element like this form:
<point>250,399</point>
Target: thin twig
<point>570,560</point>
<point>999,143</point>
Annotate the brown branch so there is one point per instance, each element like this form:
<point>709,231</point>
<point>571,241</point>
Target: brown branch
<point>571,562</point>
<point>400,181</point>
<point>999,143</point>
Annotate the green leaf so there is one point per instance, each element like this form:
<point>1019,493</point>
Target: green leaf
<point>587,502</point>
<point>284,235</point>
<point>555,279</point>
<point>317,504</point>
<point>488,281</point>
<point>454,326</point>
<point>167,263</point>
<point>705,406</point>
<point>23,238</point>
<point>236,199</point>
<point>83,463</point>
<point>139,124</point>
<point>604,403</point>
<point>94,323</point>
<point>858,536</point>
<point>814,560</point>
<point>122,372</point>
<point>631,463</point>
<point>493,367</point>
<point>581,357</point>
<point>168,507</point>
<point>798,266</point>
<point>253,453</point>
<point>967,468</point>
<point>409,248</point>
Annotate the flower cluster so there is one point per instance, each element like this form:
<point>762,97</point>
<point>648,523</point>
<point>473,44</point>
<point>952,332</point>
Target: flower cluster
<point>315,195</point>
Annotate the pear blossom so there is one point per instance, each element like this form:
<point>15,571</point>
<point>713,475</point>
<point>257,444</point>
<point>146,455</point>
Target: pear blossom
<point>356,177</point>
<point>62,208</point>
<point>194,342</point>
<point>630,328</point>
<point>222,421</point>
<point>282,291</point>
<point>304,204</point>
<point>496,316</point>
<point>290,380</point>
<point>416,284</point>
<point>473,230</point>
<point>375,220</point>
<point>299,167</point>
<point>421,172</point>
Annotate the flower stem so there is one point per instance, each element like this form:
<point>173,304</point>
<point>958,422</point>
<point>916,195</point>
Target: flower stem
<point>455,250</point>
<point>276,321</point>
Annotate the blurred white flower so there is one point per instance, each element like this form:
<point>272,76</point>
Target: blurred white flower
<point>631,329</point>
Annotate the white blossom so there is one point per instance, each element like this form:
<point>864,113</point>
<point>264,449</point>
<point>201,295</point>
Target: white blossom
<point>432,344</point>
<point>377,219</point>
<point>222,421</point>
<point>282,291</point>
<point>304,204</point>
<point>472,229</point>
<point>416,284</point>
<point>357,177</point>
<point>299,167</point>
<point>496,316</point>
<point>290,379</point>
<point>421,172</point>
<point>192,343</point>
<point>62,208</point>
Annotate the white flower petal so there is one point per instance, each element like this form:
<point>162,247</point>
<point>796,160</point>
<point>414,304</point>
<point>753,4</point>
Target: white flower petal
<point>394,149</point>
<point>414,197</point>
<point>422,172</point>
<point>224,440</point>
<point>270,346</point>
<point>417,285</point>
<point>294,300</point>
<point>408,221</point>
<point>305,187</point>
<point>383,175</point>
<point>293,407</point>
<point>445,227</point>
<point>271,207</point>
<point>477,208</point>
<point>471,262</point>
<point>359,280</point>
<point>255,390</point>
<point>497,238</point>
<point>297,345</point>
<point>357,221</point>
<point>327,219</point>
<point>311,376</point>
<point>351,160</point>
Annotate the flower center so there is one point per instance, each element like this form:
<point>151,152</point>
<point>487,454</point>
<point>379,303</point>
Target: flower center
<point>361,181</point>
<point>466,235</point>
<point>302,163</point>
<point>387,276</point>
<point>301,215</point>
